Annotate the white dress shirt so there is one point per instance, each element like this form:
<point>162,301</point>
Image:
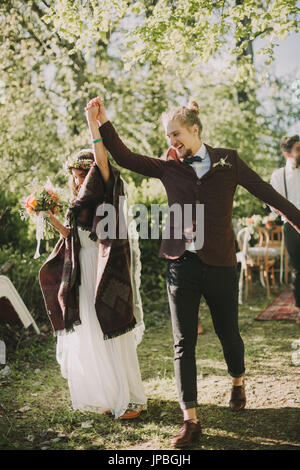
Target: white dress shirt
<point>292,183</point>
<point>200,168</point>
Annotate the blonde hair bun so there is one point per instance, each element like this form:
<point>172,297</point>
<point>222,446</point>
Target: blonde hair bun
<point>188,115</point>
<point>194,106</point>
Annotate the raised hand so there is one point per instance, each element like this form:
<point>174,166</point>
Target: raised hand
<point>92,111</point>
<point>95,110</point>
<point>95,113</point>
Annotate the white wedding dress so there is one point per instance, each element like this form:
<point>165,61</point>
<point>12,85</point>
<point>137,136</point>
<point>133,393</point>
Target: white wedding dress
<point>102,374</point>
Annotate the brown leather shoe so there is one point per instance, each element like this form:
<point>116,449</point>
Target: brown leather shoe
<point>187,433</point>
<point>238,397</point>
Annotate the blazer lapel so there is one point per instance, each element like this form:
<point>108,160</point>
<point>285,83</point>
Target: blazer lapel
<point>215,156</point>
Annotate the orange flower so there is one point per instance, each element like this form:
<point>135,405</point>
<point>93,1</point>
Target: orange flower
<point>31,201</point>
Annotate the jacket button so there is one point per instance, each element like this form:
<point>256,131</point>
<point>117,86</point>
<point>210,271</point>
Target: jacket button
<point>197,201</point>
<point>199,182</point>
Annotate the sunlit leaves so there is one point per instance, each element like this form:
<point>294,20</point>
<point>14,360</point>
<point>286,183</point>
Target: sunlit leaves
<point>84,22</point>
<point>171,30</point>
<point>141,57</point>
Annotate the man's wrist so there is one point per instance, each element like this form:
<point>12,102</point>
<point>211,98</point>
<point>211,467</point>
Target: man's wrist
<point>103,121</point>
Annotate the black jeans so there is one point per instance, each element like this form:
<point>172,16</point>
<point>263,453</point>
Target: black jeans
<point>292,243</point>
<point>187,279</point>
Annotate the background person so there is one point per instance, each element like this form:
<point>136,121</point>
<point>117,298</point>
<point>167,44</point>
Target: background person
<point>286,181</point>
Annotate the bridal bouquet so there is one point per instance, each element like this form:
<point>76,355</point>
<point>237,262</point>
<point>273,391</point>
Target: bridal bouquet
<point>37,205</point>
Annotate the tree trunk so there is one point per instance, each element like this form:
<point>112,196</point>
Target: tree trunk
<point>246,43</point>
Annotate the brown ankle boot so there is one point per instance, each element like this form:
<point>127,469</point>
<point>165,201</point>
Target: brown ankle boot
<point>187,433</point>
<point>238,397</point>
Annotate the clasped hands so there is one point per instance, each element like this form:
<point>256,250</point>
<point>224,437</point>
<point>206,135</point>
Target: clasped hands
<point>95,110</point>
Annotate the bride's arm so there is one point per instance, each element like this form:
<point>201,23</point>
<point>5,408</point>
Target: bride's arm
<point>98,147</point>
<point>64,231</point>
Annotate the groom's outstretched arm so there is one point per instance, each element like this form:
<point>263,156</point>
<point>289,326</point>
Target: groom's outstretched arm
<point>141,164</point>
<point>250,180</point>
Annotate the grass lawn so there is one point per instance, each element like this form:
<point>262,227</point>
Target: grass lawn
<point>36,409</point>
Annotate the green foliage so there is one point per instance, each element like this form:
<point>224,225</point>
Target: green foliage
<point>150,191</point>
<point>142,57</point>
<point>12,229</point>
<point>153,277</point>
<point>167,32</point>
<point>47,77</point>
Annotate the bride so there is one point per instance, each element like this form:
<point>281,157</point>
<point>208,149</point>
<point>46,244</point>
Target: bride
<point>90,288</point>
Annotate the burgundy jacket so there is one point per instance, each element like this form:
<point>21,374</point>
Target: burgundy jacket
<point>215,190</point>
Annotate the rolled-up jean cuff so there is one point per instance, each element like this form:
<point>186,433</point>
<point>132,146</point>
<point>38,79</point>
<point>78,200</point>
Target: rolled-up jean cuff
<point>236,376</point>
<point>188,404</point>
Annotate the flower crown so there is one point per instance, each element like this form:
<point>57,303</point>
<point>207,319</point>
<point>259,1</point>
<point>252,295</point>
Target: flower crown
<point>79,163</point>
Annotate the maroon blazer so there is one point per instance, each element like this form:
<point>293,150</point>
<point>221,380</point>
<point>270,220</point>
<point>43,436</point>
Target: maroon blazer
<point>215,190</point>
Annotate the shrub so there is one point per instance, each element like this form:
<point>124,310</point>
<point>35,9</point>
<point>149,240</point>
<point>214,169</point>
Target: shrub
<point>13,229</point>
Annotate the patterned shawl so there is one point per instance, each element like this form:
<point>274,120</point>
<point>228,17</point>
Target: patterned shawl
<point>117,299</point>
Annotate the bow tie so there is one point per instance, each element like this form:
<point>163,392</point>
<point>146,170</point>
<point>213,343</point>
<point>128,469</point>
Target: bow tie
<point>191,160</point>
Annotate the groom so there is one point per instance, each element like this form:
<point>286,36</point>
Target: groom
<point>195,173</point>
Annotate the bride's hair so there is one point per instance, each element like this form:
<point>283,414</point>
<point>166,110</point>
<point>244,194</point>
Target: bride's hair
<point>186,115</point>
<point>82,160</point>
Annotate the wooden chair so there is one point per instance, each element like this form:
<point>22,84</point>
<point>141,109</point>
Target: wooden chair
<point>276,244</point>
<point>263,258</point>
<point>255,258</point>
